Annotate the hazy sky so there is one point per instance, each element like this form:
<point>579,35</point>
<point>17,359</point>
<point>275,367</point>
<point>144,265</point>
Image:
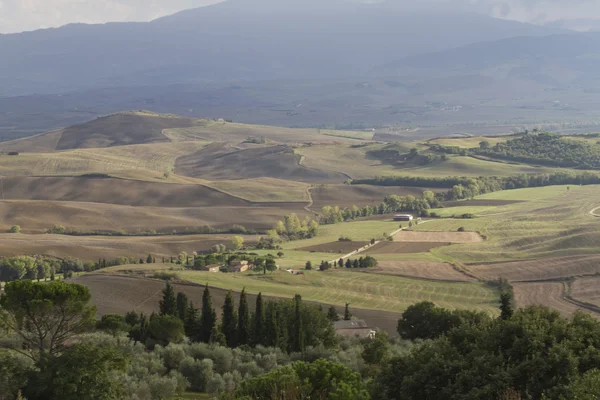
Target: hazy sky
<point>20,15</point>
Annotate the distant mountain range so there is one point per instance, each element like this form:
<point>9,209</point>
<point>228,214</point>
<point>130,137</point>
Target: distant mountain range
<point>302,63</point>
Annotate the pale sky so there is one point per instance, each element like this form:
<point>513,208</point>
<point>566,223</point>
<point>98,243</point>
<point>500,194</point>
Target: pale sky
<point>22,15</point>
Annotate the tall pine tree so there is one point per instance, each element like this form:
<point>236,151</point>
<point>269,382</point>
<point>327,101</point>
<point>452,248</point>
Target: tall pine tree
<point>208,318</point>
<point>168,304</point>
<point>347,313</point>
<point>297,336</point>
<point>192,323</point>
<point>229,321</point>
<point>243,330</point>
<point>182,305</point>
<point>271,326</point>
<point>258,323</point>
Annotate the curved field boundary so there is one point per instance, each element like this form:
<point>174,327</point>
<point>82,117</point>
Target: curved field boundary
<point>594,212</point>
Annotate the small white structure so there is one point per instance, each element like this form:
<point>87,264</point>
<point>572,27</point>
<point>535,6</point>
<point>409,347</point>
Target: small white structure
<point>403,217</point>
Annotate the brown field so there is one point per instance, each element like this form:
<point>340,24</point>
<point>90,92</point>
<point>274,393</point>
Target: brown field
<point>587,290</point>
<point>94,247</point>
<point>404,247</point>
<point>358,195</point>
<point>437,237</point>
<point>115,191</point>
<point>548,294</point>
<point>120,294</point>
<point>423,270</point>
<point>223,161</point>
<point>535,270</point>
<point>335,247</point>
<point>39,216</point>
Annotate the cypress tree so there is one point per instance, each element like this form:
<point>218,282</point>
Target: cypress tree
<point>347,313</point>
<point>229,321</point>
<point>243,331</point>
<point>190,323</point>
<point>506,305</point>
<point>258,324</point>
<point>149,259</point>
<point>297,339</point>
<point>208,318</point>
<point>341,263</point>
<point>182,305</point>
<point>271,326</point>
<point>348,263</point>
<point>168,304</point>
<point>332,314</point>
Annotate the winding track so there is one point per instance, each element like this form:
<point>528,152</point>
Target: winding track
<point>593,212</point>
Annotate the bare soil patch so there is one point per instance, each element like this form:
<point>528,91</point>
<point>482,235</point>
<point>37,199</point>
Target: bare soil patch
<point>335,247</point>
<point>38,216</point>
<point>422,270</point>
<point>587,290</point>
<point>121,294</point>
<point>543,269</point>
<point>115,191</point>
<point>438,237</point>
<point>94,247</point>
<point>404,247</point>
<point>549,294</point>
<point>218,161</point>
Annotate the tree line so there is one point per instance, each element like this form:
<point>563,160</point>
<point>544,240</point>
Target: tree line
<point>361,262</point>
<point>542,148</point>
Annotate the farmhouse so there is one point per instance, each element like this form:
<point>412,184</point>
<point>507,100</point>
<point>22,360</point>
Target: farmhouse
<point>239,266</point>
<point>403,217</point>
<point>354,328</point>
<point>211,268</point>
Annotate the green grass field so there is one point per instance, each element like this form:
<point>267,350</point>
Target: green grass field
<point>361,290</point>
<point>468,142</point>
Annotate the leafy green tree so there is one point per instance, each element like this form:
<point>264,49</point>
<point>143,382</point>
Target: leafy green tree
<point>332,314</point>
<point>270,264</point>
<point>347,313</point>
<point>237,242</point>
<point>132,318</point>
<point>217,337</point>
<point>308,266</point>
<point>82,371</point>
<point>45,315</point>
<point>168,304</point>
<point>258,322</point>
<point>376,350</point>
<point>165,329</point>
<point>14,370</point>
<point>15,229</point>
<point>113,324</point>
<point>229,320</point>
<point>208,318</point>
<point>183,304</point>
<point>244,323</point>
<point>318,380</point>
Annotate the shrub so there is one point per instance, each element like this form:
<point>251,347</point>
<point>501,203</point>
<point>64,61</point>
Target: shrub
<point>165,276</point>
<point>15,229</point>
<point>461,229</point>
<point>344,239</point>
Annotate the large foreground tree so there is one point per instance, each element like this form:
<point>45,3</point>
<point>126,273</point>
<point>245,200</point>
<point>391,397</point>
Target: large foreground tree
<point>45,315</point>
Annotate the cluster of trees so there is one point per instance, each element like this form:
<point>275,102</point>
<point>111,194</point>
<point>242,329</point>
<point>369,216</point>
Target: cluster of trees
<point>292,228</point>
<point>361,262</point>
<point>42,358</point>
<point>544,148</point>
<point>288,325</point>
<point>201,230</point>
<point>390,204</point>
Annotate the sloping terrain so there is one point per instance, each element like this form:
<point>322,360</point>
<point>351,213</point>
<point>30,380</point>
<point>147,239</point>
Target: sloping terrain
<point>587,290</point>
<point>117,129</point>
<point>115,191</point>
<point>121,294</point>
<point>274,162</point>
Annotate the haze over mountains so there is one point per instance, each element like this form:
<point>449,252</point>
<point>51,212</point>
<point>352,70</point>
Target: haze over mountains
<point>300,63</point>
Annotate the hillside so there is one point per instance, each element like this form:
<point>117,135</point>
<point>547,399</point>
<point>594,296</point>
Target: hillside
<point>119,129</point>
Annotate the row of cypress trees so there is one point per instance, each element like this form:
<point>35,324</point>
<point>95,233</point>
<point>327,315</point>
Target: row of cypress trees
<point>289,325</point>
